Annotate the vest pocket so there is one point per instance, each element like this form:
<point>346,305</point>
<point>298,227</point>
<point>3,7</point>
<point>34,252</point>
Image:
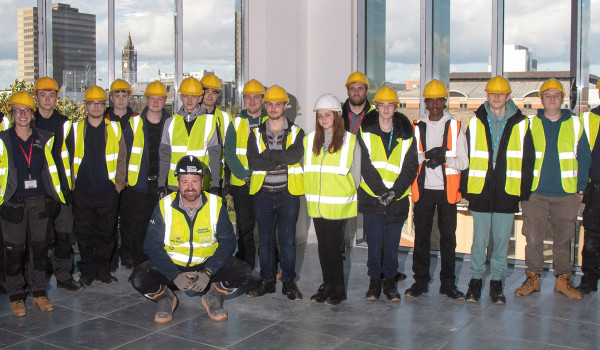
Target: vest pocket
<point>12,211</point>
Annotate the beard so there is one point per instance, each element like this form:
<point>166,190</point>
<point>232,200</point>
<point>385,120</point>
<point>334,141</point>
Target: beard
<point>190,195</point>
<point>357,100</point>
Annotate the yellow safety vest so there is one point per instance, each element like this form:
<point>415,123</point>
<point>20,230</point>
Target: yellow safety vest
<point>49,163</point>
<point>568,138</point>
<point>591,124</point>
<point>389,168</point>
<point>113,131</point>
<point>137,149</point>
<point>242,131</point>
<point>194,144</point>
<point>295,176</point>
<point>5,123</point>
<point>479,156</point>
<point>181,248</point>
<point>328,184</point>
<point>64,153</point>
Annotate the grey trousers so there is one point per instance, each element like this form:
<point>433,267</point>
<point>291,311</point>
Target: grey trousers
<point>561,213</point>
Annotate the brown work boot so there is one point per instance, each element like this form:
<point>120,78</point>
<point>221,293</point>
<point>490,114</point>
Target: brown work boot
<point>564,286</point>
<point>167,303</point>
<point>43,303</point>
<point>18,308</point>
<point>531,284</point>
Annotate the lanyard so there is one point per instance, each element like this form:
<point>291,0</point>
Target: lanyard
<point>499,134</point>
<point>391,137</point>
<point>28,159</point>
<point>359,121</point>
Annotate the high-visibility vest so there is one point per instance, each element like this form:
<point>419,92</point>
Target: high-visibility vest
<point>389,168</point>
<point>568,138</point>
<point>194,144</point>
<point>452,176</point>
<point>181,248</point>
<point>242,131</point>
<point>137,149</point>
<point>223,119</point>
<point>294,172</point>
<point>328,184</point>
<point>5,123</point>
<point>480,155</point>
<point>113,131</point>
<point>64,153</point>
<point>591,124</point>
<point>51,168</point>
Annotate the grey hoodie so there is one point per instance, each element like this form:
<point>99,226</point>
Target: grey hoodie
<point>497,123</point>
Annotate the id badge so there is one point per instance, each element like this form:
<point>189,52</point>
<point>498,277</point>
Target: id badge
<point>30,184</point>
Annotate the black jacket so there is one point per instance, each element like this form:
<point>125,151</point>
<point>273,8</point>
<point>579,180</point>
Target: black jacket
<point>396,211</point>
<point>346,113</point>
<point>493,197</point>
<point>270,159</point>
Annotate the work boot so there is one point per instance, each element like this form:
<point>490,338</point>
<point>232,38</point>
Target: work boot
<point>86,280</point>
<point>587,286</point>
<point>107,279</point>
<point>564,286</point>
<point>416,290</point>
<point>531,284</point>
<point>43,303</point>
<point>213,303</point>
<point>337,296</point>
<point>474,291</point>
<point>322,293</point>
<point>262,287</point>
<point>374,290</point>
<point>496,292</point>
<point>451,292</point>
<point>18,308</point>
<point>389,289</point>
<point>70,285</point>
<point>290,289</point>
<point>166,305</point>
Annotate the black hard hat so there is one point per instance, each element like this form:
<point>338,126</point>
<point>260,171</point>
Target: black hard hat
<point>190,165</point>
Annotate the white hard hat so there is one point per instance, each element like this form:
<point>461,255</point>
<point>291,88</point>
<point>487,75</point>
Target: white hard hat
<point>328,102</point>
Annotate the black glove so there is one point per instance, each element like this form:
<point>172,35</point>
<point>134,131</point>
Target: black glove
<point>434,162</point>
<point>200,281</point>
<point>436,152</point>
<point>183,281</point>
<point>387,197</point>
<point>247,180</point>
<point>162,192</point>
<point>215,190</point>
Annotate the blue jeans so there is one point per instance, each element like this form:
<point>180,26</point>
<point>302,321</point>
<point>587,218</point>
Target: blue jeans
<point>378,232</point>
<point>273,209</point>
<point>501,225</point>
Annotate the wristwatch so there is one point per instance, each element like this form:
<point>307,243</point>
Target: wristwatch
<point>580,192</point>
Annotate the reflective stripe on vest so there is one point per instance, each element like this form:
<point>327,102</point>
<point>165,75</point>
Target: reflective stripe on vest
<point>568,138</point>
<point>3,170</point>
<point>137,149</point>
<point>181,248</point>
<point>294,172</point>
<point>193,144</point>
<point>591,124</point>
<point>64,153</point>
<point>111,153</point>
<point>241,143</point>
<point>328,184</point>
<point>389,169</point>
<point>514,158</point>
<point>5,123</point>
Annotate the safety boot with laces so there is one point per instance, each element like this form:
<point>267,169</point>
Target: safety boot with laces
<point>389,289</point>
<point>564,286</point>
<point>18,308</point>
<point>531,284</point>
<point>43,303</point>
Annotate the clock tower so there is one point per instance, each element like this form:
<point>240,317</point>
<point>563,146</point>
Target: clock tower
<point>129,62</point>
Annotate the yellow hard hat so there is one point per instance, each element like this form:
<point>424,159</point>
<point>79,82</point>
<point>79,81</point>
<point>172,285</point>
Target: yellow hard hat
<point>191,86</point>
<point>21,98</point>
<point>276,93</point>
<point>498,85</point>
<point>95,93</point>
<point>435,89</point>
<point>386,94</point>
<point>357,77</point>
<point>253,87</point>
<point>120,85</point>
<point>45,83</point>
<point>156,88</point>
<point>211,81</point>
<point>551,84</point>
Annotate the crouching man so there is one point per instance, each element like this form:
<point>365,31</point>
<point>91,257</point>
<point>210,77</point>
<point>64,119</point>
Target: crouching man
<point>189,244</point>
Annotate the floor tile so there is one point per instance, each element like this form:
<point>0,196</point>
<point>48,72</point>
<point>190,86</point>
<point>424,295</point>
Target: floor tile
<point>282,337</point>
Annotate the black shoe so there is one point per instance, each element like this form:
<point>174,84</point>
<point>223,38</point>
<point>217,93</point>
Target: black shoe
<point>496,292</point>
<point>416,290</point>
<point>70,284</point>
<point>452,292</point>
<point>323,292</point>
<point>338,295</point>
<point>86,280</point>
<point>107,279</point>
<point>374,289</point>
<point>291,290</point>
<point>474,291</point>
<point>400,276</point>
<point>587,288</point>
<point>262,288</point>
<point>389,289</point>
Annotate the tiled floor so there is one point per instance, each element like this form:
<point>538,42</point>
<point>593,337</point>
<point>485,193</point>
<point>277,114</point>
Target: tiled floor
<point>115,316</point>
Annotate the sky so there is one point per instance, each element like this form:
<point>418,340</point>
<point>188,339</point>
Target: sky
<point>542,26</point>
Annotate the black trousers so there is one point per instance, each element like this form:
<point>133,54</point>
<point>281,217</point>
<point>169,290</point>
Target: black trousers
<point>330,234</point>
<point>244,222</point>
<point>424,211</point>
<point>94,229</point>
<point>135,210</point>
<point>590,265</point>
<point>146,278</point>
<point>62,227</point>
